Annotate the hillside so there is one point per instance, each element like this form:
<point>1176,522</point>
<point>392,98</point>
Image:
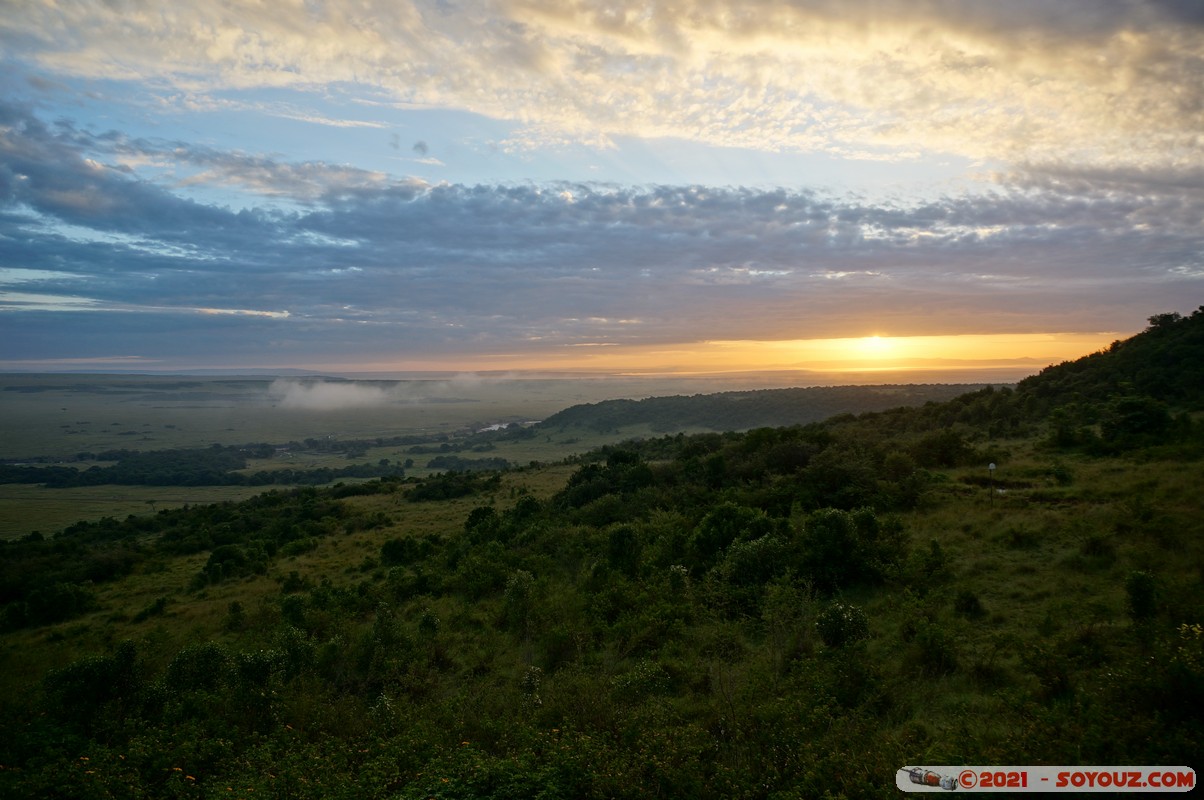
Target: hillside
<point>783,612</point>
<point>739,411</point>
<point>1166,363</point>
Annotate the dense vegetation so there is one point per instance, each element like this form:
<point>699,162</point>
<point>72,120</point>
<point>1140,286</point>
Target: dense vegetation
<point>784,612</point>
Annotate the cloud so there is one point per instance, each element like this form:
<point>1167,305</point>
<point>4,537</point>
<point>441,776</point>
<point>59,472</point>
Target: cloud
<point>361,266</point>
<point>318,119</point>
<point>327,395</point>
<point>1107,82</point>
<point>335,395</point>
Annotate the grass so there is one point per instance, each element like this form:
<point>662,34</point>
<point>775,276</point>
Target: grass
<point>1001,592</point>
<point>25,508</point>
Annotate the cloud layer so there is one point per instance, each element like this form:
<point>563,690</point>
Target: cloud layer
<point>1086,210</point>
<point>1114,82</point>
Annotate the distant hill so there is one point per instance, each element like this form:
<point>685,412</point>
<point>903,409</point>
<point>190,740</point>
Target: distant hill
<point>737,411</point>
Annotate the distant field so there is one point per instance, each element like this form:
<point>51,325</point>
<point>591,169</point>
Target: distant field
<point>62,415</point>
<point>58,417</point>
<point>27,508</point>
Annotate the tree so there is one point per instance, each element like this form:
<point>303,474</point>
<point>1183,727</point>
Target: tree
<point>1164,320</point>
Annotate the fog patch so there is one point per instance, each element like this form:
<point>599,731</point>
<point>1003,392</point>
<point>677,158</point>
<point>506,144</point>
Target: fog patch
<point>327,395</point>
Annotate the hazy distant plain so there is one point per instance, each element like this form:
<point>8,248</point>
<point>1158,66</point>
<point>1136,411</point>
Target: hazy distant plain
<point>62,415</point>
<point>58,417</point>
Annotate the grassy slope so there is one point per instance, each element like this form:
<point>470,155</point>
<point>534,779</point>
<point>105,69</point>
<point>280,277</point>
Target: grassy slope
<point>1004,637</point>
<point>1047,564</point>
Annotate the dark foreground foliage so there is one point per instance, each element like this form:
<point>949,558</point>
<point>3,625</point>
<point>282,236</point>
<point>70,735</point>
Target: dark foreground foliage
<point>795,612</point>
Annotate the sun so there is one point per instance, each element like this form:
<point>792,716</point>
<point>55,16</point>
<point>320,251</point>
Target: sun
<point>875,345</point>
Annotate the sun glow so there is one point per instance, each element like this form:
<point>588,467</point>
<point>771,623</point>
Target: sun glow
<point>1009,356</point>
<point>875,346</point>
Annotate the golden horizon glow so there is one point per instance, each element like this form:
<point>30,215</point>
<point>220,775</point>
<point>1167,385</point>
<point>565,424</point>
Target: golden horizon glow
<point>1015,353</point>
<point>879,346</point>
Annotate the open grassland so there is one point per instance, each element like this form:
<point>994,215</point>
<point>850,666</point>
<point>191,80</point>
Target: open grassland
<point>25,508</point>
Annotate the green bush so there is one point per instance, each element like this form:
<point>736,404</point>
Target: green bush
<point>518,600</point>
<point>725,524</point>
<point>81,690</point>
<point>398,552</point>
<point>623,549</point>
<point>841,624</point>
<point>1143,595</point>
<point>933,650</point>
<point>968,605</point>
<point>844,548</point>
<point>198,667</point>
<point>52,603</point>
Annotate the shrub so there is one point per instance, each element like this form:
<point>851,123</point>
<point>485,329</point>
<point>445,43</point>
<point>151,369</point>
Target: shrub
<point>644,679</point>
<point>198,667</point>
<point>1052,671</point>
<point>623,548</point>
<point>967,604</point>
<point>226,561</point>
<point>518,599</point>
<point>725,524</point>
<point>299,546</point>
<point>1062,474</point>
<point>482,524</point>
<point>933,650</point>
<point>752,563</point>
<point>398,552</point>
<point>1142,591</point>
<point>945,448</point>
<point>840,624</point>
<point>842,548</point>
<point>1133,419</point>
<point>57,602</point>
<point>153,610</point>
<point>81,689</point>
<point>428,623</point>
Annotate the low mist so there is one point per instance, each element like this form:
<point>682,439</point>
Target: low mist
<point>329,395</point>
<point>309,394</point>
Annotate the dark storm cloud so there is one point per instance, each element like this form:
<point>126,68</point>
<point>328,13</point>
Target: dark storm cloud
<point>367,266</point>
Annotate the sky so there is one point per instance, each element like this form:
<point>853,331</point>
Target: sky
<point>680,186</point>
